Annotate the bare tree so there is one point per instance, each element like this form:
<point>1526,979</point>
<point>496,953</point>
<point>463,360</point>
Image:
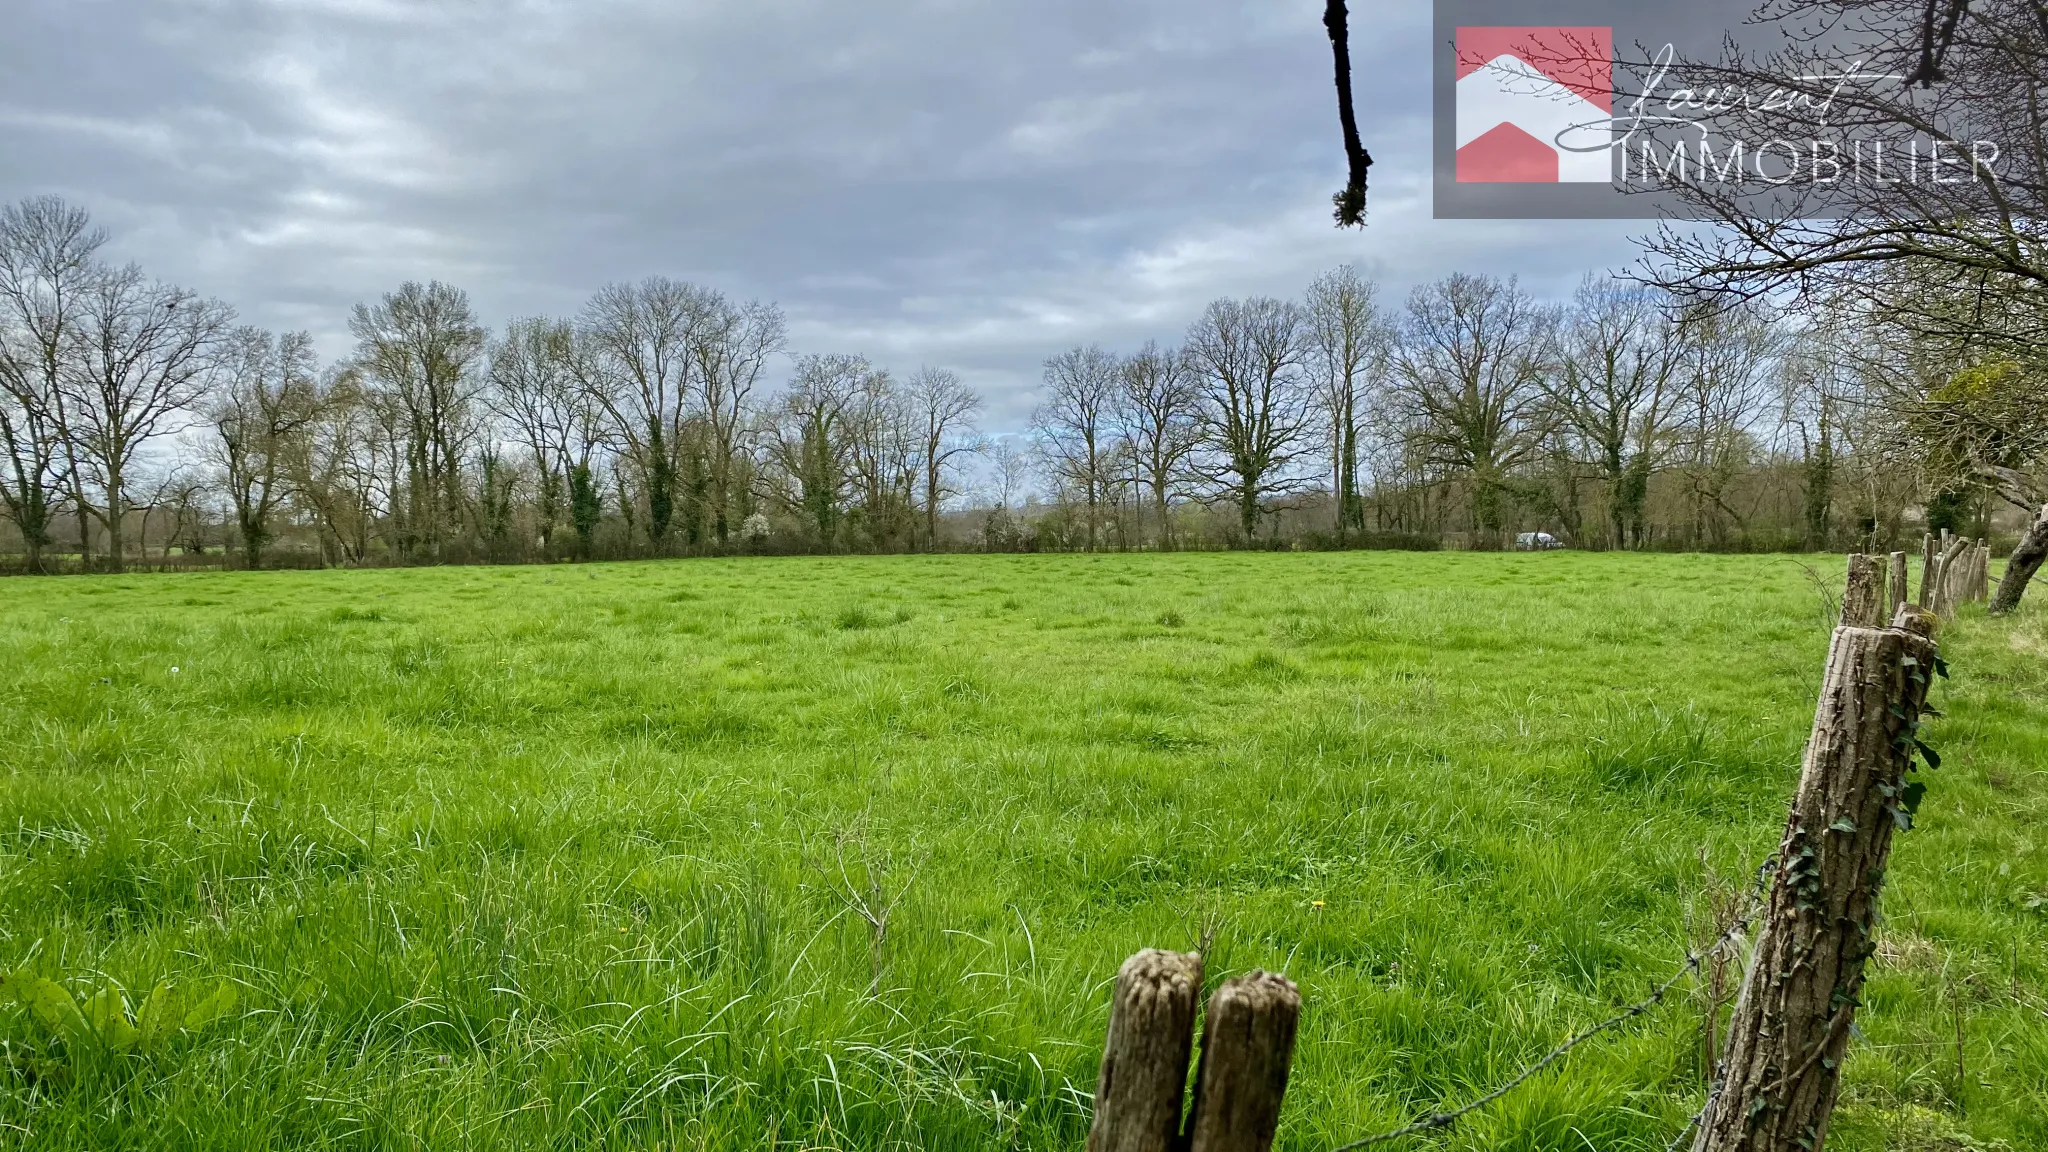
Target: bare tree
<point>1161,412</point>
<point>882,452</point>
<point>421,344</point>
<point>1075,425</point>
<point>643,338</point>
<point>731,349</point>
<point>144,350</point>
<point>1011,459</point>
<point>943,409</point>
<point>1727,365</point>
<point>47,250</point>
<point>809,442</point>
<point>537,389</point>
<point>266,401</point>
<point>344,466</point>
<point>1470,366</point>
<point>1614,389</point>
<point>1349,347</point>
<point>1247,356</point>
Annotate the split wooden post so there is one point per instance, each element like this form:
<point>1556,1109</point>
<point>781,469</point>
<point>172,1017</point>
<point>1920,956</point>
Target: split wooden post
<point>1980,572</point>
<point>1900,593</point>
<point>1864,596</point>
<point>1247,1050</point>
<point>1964,578</point>
<point>1792,1021</point>
<point>1943,598</point>
<point>1145,1059</point>
<point>1927,559</point>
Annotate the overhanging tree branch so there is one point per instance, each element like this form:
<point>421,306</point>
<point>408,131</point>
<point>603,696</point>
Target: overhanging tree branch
<point>1351,201</point>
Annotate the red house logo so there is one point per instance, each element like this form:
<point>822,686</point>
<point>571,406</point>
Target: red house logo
<point>1534,105</point>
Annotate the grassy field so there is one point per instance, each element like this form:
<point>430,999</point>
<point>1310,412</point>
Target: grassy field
<point>584,857</point>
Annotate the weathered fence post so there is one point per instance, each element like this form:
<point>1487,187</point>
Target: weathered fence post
<point>1145,1059</point>
<point>1247,1050</point>
<point>1927,559</point>
<point>1943,594</point>
<point>1980,572</point>
<point>1864,597</point>
<point>1900,593</point>
<point>1791,1025</point>
<point>2020,568</point>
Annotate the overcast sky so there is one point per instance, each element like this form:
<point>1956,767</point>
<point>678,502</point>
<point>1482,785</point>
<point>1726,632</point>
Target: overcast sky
<point>975,185</point>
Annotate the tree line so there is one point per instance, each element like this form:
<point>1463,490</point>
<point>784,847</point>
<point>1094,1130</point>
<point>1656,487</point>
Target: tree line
<point>666,418</point>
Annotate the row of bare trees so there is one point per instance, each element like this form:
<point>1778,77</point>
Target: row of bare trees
<point>666,418</point>
<point>96,362</point>
<point>639,426</point>
<point>1625,417</point>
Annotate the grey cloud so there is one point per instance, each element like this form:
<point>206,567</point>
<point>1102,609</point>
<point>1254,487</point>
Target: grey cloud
<point>970,184</point>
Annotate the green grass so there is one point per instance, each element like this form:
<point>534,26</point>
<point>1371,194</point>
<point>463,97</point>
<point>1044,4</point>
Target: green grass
<point>550,857</point>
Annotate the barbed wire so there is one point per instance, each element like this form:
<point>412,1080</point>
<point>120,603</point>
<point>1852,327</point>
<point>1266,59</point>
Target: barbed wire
<point>1693,960</point>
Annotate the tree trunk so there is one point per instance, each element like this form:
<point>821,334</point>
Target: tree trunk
<point>1247,1050</point>
<point>117,511</point>
<point>1145,1060</point>
<point>1792,1020</point>
<point>82,510</point>
<point>1165,527</point>
<point>2019,571</point>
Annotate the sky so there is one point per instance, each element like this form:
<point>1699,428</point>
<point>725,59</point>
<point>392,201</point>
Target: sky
<point>974,185</point>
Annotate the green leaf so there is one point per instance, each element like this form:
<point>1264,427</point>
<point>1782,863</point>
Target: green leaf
<point>211,1009</point>
<point>1932,757</point>
<point>158,1016</point>
<point>1910,800</point>
<point>106,1012</point>
<point>54,1008</point>
<point>1843,825</point>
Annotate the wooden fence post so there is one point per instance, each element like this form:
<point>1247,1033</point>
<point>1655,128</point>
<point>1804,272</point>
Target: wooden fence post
<point>1145,1059</point>
<point>1943,599</point>
<point>1791,1025</point>
<point>1247,1050</point>
<point>1863,599</point>
<point>1900,593</point>
<point>1927,558</point>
